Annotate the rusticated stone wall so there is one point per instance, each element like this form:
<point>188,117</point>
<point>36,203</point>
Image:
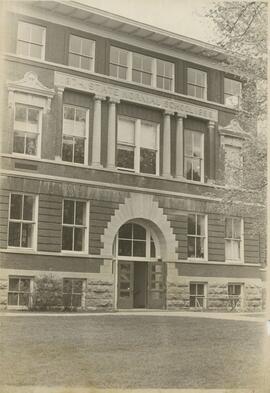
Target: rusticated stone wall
<point>99,295</point>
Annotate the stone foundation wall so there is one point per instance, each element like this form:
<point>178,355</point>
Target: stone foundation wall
<point>99,295</point>
<point>3,294</point>
<point>216,293</point>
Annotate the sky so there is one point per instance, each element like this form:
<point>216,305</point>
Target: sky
<point>179,16</point>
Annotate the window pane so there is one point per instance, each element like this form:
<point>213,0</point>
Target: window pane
<point>147,64</point>
<point>79,150</point>
<point>75,44</point>
<point>67,238</point>
<point>80,219</point>
<point>123,57</point>
<point>14,234</point>
<point>188,168</point>
<point>18,142</point>
<point>20,113</point>
<point>201,78</point>
<point>68,212</point>
<point>147,161</point>
<point>14,284</point>
<point>76,301</point>
<point>122,73</point>
<point>192,289</point>
<point>191,247</point>
<point>197,144</point>
<point>124,247</point>
<point>26,235</point>
<point>146,79</point>
<point>36,51</point>
<point>152,250</point>
<point>200,289</point>
<point>160,82</point>
<point>24,299</point>
<point>237,289</point>
<point>22,48</point>
<point>79,239</point>
<point>114,52</point>
<point>136,76</point>
<point>126,131</point>
<point>125,158</point>
<point>67,300</point>
<point>31,144</point>
<point>168,69</point>
<point>74,60</point>
<point>237,228</point>
<point>139,248</point>
<point>24,31</point>
<point>13,299</point>
<point>86,63</point>
<point>16,206</point>
<point>136,61</point>
<point>235,249</point>
<point>191,76</point>
<point>167,84</point>
<point>139,232</point>
<point>196,173</point>
<point>228,249</point>
<point>37,34</point>
<point>148,135</point>
<point>191,90</point>
<point>77,286</point>
<point>188,143</point>
<point>80,120</point>
<point>113,70</point>
<point>67,286</point>
<point>126,231</point>
<point>160,67</point>
<point>228,228</point>
<point>28,207</point>
<point>69,113</point>
<point>25,285</point>
<point>191,224</point>
<point>192,301</point>
<point>200,225</point>
<point>199,247</point>
<point>86,47</point>
<point>67,149</point>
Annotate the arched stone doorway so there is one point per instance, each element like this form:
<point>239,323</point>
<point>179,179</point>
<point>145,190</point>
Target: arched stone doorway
<point>140,272</point>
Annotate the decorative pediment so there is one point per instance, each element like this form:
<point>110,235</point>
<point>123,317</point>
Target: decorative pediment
<point>30,85</point>
<point>233,129</point>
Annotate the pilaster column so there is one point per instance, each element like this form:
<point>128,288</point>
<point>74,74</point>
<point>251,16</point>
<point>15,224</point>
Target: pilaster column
<point>212,163</point>
<point>166,164</point>
<point>96,143</point>
<point>179,167</point>
<point>59,122</point>
<point>111,133</point>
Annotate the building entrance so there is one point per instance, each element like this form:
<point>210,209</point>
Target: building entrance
<point>141,285</point>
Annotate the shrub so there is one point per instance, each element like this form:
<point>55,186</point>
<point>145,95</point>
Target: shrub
<point>48,293</point>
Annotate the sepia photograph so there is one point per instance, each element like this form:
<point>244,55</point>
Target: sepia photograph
<point>133,196</point>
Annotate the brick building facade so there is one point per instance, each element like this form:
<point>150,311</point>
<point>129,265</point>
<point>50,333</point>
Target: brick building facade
<point>116,148</point>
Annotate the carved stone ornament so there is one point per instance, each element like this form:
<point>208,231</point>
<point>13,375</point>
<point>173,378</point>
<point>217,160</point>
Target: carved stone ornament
<point>30,85</point>
<point>233,129</point>
<point>135,96</point>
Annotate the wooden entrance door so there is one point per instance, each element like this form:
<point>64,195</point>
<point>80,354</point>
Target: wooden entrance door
<point>156,284</point>
<point>125,284</point>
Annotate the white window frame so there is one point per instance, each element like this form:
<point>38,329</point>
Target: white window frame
<point>226,94</point>
<point>84,283</point>
<point>186,130</point>
<point>192,84</point>
<point>86,137</point>
<point>154,61</point>
<point>27,131</point>
<point>31,42</point>
<point>204,296</point>
<point>137,145</point>
<point>85,251</point>
<point>241,240</point>
<point>205,237</point>
<point>149,233</point>
<point>93,43</point>
<point>33,222</point>
<point>21,307</point>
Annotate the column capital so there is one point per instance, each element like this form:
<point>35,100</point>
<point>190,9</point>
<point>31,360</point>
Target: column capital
<point>99,97</point>
<point>168,112</point>
<point>212,124</point>
<point>114,100</point>
<point>60,89</point>
<point>181,115</point>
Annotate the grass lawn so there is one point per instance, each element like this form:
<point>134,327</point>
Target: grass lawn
<point>131,352</point>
